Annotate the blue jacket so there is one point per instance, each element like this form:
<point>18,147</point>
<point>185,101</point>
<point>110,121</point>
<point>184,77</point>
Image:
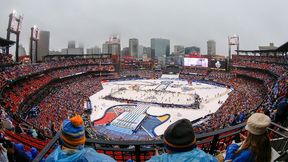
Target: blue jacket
<point>196,155</point>
<point>245,155</point>
<point>83,155</point>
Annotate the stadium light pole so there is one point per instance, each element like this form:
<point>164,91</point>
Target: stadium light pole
<point>31,45</point>
<point>8,29</point>
<point>229,54</point>
<point>14,26</point>
<point>232,41</point>
<point>34,37</point>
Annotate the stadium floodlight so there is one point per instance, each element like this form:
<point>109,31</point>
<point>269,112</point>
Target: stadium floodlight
<point>20,19</point>
<point>232,41</point>
<point>14,12</point>
<point>14,26</point>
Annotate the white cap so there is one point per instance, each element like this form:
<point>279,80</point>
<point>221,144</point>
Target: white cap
<point>257,123</point>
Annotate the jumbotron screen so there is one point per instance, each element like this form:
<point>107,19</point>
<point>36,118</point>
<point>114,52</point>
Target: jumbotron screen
<point>217,64</point>
<point>200,62</point>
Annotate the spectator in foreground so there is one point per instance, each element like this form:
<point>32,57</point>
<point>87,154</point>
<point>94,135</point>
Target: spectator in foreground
<point>282,111</point>
<point>15,152</point>
<point>3,154</point>
<point>180,145</point>
<point>18,129</point>
<point>256,147</point>
<point>72,138</point>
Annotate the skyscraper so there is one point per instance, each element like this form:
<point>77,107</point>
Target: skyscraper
<point>211,47</point>
<point>125,52</point>
<point>105,47</point>
<point>147,52</point>
<point>93,50</point>
<point>72,50</point>
<point>160,48</point>
<point>140,52</point>
<point>133,47</point>
<point>112,46</point>
<point>72,44</point>
<point>43,45</point>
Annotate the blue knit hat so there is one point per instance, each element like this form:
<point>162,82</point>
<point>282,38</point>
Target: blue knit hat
<point>72,132</point>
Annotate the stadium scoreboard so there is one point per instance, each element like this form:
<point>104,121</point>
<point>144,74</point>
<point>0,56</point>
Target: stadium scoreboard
<point>197,62</point>
<point>217,64</point>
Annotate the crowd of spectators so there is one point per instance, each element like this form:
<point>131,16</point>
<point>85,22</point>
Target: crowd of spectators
<point>219,75</point>
<point>276,69</point>
<point>264,59</point>
<point>5,59</point>
<point>193,73</point>
<point>18,92</point>
<point>55,106</point>
<point>200,71</point>
<point>11,149</point>
<point>12,72</point>
<point>254,74</point>
<point>141,73</point>
<point>247,95</point>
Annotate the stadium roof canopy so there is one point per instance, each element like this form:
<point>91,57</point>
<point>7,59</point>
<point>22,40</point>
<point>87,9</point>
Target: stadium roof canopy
<point>5,42</point>
<point>282,49</point>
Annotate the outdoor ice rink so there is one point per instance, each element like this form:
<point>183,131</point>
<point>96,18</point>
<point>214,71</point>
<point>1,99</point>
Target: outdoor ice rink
<point>167,91</point>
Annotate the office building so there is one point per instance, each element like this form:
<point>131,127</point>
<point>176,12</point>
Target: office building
<point>269,47</point>
<point>125,52</point>
<point>133,47</point>
<point>105,47</point>
<point>93,50</point>
<point>72,44</point>
<point>147,52</point>
<point>211,47</point>
<point>160,48</point>
<point>72,49</point>
<point>112,46</point>
<point>43,45</point>
<point>53,52</point>
<point>140,52</point>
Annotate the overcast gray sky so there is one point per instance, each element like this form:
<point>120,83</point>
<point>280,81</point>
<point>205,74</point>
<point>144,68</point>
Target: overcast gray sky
<point>184,22</point>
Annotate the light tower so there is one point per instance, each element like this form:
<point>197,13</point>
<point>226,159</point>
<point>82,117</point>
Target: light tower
<point>232,41</point>
<point>14,26</point>
<point>34,38</point>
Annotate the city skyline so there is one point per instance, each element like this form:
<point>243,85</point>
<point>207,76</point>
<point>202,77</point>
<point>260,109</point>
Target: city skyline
<point>182,22</point>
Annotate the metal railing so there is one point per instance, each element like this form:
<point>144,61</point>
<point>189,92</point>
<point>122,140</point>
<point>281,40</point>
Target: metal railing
<point>143,150</point>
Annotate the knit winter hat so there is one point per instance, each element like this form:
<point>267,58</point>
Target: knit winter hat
<point>180,135</point>
<point>72,132</point>
<point>257,123</point>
